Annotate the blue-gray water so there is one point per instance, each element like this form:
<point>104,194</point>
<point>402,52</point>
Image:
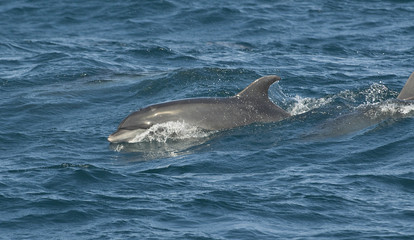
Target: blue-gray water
<point>70,71</point>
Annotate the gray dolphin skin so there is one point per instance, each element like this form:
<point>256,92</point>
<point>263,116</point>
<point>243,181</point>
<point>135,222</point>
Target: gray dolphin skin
<point>252,105</point>
<point>407,93</point>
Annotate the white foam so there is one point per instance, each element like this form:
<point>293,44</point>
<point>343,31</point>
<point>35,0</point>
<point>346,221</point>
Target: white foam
<point>395,108</point>
<point>387,109</point>
<point>303,105</point>
<point>176,130</point>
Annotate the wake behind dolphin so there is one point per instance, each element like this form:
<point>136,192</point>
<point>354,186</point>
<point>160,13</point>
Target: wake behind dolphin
<point>251,105</point>
<point>367,115</point>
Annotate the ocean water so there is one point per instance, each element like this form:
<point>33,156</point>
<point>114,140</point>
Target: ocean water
<point>340,168</point>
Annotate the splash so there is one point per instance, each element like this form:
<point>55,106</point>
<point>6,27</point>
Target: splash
<point>303,105</point>
<point>400,109</point>
<point>170,131</point>
<point>376,93</point>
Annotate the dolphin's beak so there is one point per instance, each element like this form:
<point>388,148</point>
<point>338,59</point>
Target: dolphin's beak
<point>124,135</point>
<point>112,138</point>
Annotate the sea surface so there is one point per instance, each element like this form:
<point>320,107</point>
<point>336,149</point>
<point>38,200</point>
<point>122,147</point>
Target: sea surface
<point>342,167</point>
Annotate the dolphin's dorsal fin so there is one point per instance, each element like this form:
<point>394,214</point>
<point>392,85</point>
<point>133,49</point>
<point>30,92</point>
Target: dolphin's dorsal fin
<point>407,93</point>
<point>258,88</point>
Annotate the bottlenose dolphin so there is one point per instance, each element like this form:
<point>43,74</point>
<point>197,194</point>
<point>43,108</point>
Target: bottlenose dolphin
<point>251,105</point>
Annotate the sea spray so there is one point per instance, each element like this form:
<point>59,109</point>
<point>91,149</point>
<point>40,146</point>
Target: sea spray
<point>173,130</point>
<point>303,105</point>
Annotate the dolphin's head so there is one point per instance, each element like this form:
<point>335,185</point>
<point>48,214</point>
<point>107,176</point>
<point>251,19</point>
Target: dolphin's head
<point>141,120</point>
<point>133,125</point>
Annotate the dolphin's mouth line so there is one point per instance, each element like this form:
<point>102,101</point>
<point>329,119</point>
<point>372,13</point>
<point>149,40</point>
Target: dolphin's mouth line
<point>124,135</point>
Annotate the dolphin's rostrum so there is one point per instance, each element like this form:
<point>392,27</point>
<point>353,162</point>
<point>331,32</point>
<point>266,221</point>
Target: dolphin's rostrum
<point>251,105</point>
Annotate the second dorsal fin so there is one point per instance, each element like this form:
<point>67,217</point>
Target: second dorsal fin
<point>407,93</point>
<point>259,88</point>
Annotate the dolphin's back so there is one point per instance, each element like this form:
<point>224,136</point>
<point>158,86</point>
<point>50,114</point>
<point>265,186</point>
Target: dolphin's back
<point>207,113</point>
<point>191,111</point>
